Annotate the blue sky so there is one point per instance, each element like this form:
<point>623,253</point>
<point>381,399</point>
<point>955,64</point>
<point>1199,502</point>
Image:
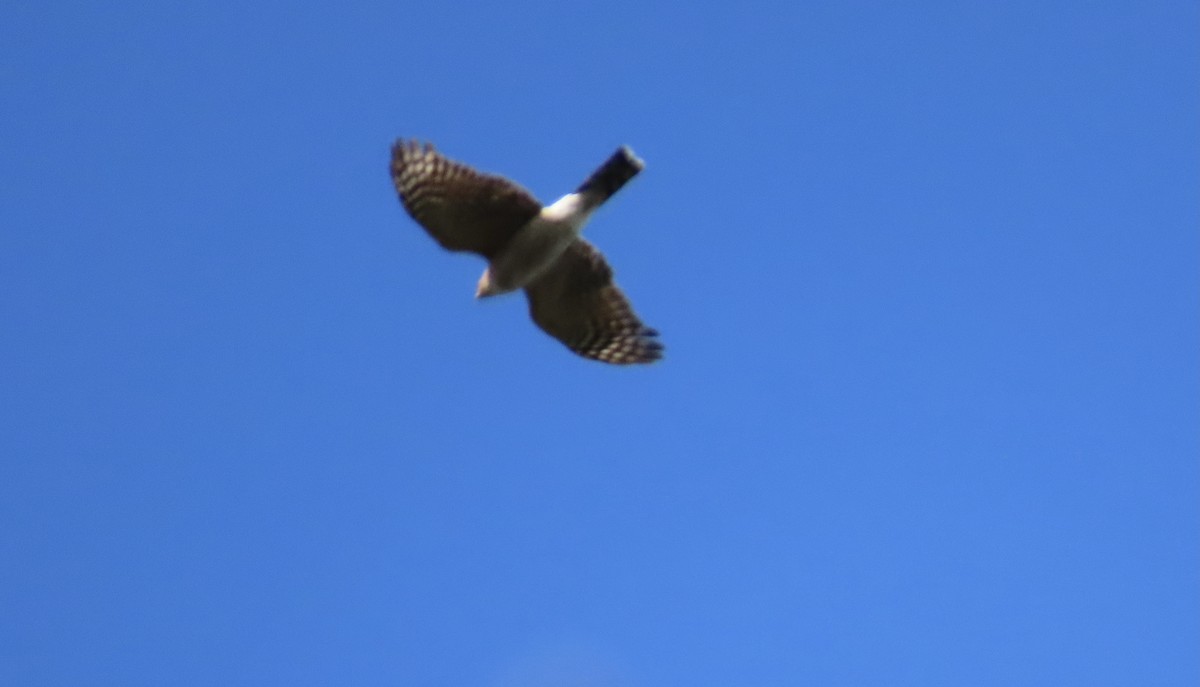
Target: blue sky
<point>927,274</point>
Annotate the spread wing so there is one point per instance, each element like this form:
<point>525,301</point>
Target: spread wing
<point>461,208</point>
<point>576,302</point>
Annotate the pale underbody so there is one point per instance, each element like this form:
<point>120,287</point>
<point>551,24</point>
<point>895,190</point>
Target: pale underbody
<point>537,246</point>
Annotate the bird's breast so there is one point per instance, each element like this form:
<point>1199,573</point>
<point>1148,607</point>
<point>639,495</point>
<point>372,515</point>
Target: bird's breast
<point>532,251</point>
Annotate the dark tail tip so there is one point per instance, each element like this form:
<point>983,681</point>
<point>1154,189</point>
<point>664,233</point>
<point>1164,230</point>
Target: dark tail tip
<point>613,174</point>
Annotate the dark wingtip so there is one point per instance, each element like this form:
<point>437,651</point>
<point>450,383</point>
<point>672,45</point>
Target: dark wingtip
<point>649,348</point>
<point>410,145</point>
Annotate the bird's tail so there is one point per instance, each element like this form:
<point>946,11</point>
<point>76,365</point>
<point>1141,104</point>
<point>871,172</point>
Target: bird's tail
<point>612,175</point>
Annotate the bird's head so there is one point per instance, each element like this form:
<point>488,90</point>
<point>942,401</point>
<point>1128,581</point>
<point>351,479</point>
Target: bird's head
<point>485,287</point>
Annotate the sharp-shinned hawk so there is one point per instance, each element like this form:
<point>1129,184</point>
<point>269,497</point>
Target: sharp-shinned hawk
<point>569,284</point>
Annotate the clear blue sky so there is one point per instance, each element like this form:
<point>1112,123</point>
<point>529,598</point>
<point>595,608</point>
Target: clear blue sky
<point>928,275</point>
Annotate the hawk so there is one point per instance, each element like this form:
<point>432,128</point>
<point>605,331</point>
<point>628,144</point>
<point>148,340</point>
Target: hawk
<point>528,246</point>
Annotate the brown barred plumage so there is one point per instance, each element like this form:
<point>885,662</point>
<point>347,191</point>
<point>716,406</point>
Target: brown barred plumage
<point>464,210</point>
<point>571,294</point>
<point>577,303</point>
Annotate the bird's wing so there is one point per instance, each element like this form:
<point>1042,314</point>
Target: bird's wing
<point>463,209</point>
<point>576,302</point>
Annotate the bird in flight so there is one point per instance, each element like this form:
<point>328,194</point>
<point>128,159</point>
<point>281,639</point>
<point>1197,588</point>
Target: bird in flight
<point>528,246</point>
